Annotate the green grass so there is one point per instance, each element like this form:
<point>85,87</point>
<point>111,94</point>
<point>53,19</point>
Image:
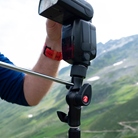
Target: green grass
<point>114,99</point>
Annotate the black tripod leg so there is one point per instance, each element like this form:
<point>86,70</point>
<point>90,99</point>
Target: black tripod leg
<point>74,133</point>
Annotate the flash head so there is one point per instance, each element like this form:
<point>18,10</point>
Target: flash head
<point>65,11</point>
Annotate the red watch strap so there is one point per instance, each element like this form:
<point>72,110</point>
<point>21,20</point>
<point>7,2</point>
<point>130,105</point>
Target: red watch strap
<point>48,52</point>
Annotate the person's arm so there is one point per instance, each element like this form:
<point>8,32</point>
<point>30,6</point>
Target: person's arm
<point>36,88</point>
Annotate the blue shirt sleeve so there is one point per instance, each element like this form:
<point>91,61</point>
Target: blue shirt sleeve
<point>11,84</point>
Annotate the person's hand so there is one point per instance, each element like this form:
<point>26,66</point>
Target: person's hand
<point>53,38</point>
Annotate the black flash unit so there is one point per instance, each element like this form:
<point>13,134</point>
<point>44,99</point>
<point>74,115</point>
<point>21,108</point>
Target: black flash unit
<point>65,11</point>
<point>79,42</point>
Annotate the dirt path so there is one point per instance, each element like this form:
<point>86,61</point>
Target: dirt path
<point>125,124</point>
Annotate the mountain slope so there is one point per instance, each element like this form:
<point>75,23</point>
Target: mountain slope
<point>113,105</point>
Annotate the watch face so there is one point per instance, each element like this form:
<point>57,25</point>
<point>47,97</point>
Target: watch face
<point>45,4</point>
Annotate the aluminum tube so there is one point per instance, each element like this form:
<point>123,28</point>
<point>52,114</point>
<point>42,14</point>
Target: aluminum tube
<point>27,71</point>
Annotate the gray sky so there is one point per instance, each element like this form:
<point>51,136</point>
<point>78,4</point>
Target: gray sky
<point>115,18</point>
<point>22,30</point>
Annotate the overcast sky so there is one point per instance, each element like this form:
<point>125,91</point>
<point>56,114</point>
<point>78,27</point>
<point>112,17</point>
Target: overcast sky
<point>22,30</point>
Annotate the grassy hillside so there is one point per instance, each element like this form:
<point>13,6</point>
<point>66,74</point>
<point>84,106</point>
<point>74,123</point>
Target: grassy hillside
<point>112,112</point>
